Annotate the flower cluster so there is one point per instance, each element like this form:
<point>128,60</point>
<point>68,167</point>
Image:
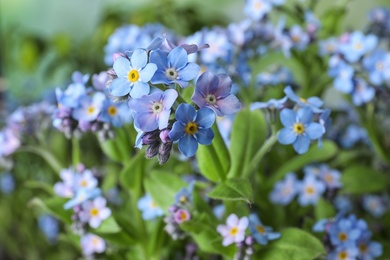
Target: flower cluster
<point>348,238</point>
<point>82,108</point>
<point>318,179</point>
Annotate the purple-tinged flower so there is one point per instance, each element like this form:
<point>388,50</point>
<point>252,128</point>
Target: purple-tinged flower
<point>80,78</point>
<point>234,230</point>
<point>181,215</point>
<point>184,195</point>
<point>328,46</point>
<point>343,203</point>
<point>368,249</point>
<point>256,9</point>
<point>153,111</point>
<point>70,97</point>
<point>192,127</point>
<point>89,108</point>
<point>91,244</point>
<point>362,93</point>
<point>9,142</point>
<point>374,204</point>
<point>173,68</point>
<point>299,37</point>
<point>99,80</point>
<point>94,212</point>
<point>310,190</point>
<point>85,180</point>
<point>81,196</point>
<point>299,129</point>
<point>261,233</point>
<point>343,253</point>
<point>285,190</point>
<point>149,208</point>
<point>330,177</point>
<point>133,75</point>
<point>213,91</point>
<point>220,47</point>
<point>313,102</point>
<point>49,226</point>
<point>116,114</point>
<point>66,187</point>
<point>357,45</point>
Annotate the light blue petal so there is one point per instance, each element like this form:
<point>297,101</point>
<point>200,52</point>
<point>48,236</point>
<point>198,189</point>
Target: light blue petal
<point>288,117</point>
<point>287,136</point>
<point>314,130</point>
<point>139,89</point>
<point>119,87</point>
<point>160,59</point>
<point>169,97</point>
<point>146,121</point>
<point>205,136</point>
<point>147,73</point>
<point>301,145</point>
<point>188,145</point>
<point>177,131</point>
<point>205,117</point>
<point>121,67</point>
<point>343,85</point>
<point>185,113</point>
<point>229,105</point>
<point>315,101</point>
<point>163,119</point>
<point>189,72</point>
<point>178,58</point>
<point>273,235</point>
<point>370,42</point>
<point>290,94</point>
<point>160,78</point>
<point>305,115</point>
<point>139,58</point>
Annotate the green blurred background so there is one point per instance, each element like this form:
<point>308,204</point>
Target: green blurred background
<point>43,42</point>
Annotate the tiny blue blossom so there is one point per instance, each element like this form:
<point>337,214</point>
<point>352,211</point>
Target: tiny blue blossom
<point>89,108</point>
<point>270,104</point>
<point>256,9</point>
<point>149,208</point>
<point>346,231</point>
<point>313,102</point>
<point>192,127</point>
<point>362,93</point>
<point>285,190</point>
<point>357,45</point>
<point>374,204</point>
<point>116,114</point>
<point>377,64</point>
<point>310,190</point>
<point>262,234</point>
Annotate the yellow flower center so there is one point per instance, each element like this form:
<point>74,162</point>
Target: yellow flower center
<point>303,100</point>
<point>358,46</point>
<point>299,128</point>
<point>233,231</point>
<point>343,237</point>
<point>94,212</point>
<point>133,75</point>
<point>260,229</point>
<point>83,183</point>
<point>183,215</point>
<point>343,255</point>
<point>295,38</point>
<point>90,110</point>
<point>95,241</point>
<point>309,190</point>
<point>191,128</point>
<point>328,178</point>
<point>183,199</point>
<point>153,205</point>
<point>258,5</point>
<point>112,110</point>
<point>363,248</point>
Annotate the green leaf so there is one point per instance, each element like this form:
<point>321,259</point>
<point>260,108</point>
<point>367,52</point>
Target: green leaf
<point>233,189</point>
<point>110,148</point>
<point>44,154</point>
<point>55,207</point>
<point>120,238</point>
<point>132,174</point>
<point>108,226</point>
<point>360,179</point>
<point>324,209</point>
<point>214,159</point>
<point>314,155</point>
<point>40,185</point>
<point>248,134</point>
<point>294,244</point>
<point>163,186</point>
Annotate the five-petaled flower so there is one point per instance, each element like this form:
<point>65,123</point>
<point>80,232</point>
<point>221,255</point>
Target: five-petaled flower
<point>234,230</point>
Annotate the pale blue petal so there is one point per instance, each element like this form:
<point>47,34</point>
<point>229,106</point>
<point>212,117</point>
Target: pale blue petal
<point>163,119</point>
<point>205,117</point>
<point>160,59</point>
<point>169,97</point>
<point>119,87</point>
<point>315,101</point>
<point>287,136</point>
<point>229,105</point>
<point>305,115</point>
<point>147,73</point>
<point>139,89</point>
<point>177,131</point>
<point>121,67</point>
<point>205,136</point>
<point>146,121</point>
<point>188,145</point>
<point>314,130</point>
<point>370,42</point>
<point>290,94</point>
<point>160,78</point>
<point>273,235</point>
<point>301,145</point>
<point>189,72</point>
<point>288,117</point>
<point>185,113</point>
<point>139,58</point>
<point>178,58</point>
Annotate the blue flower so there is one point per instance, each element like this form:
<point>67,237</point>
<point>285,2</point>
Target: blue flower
<point>149,208</point>
<point>49,226</point>
<point>89,108</point>
<point>299,129</point>
<point>285,190</point>
<point>115,113</point>
<point>192,127</point>
<point>374,204</point>
<point>173,68</point>
<point>133,75</point>
<point>7,183</point>
<point>313,102</point>
<point>328,46</point>
<point>357,46</point>
<point>299,37</point>
<point>82,195</point>
<point>261,233</point>
<point>184,195</point>
<point>368,249</point>
<point>343,253</point>
<point>153,111</point>
<point>256,9</point>
<point>346,231</point>
<point>343,74</point>
<point>377,64</point>
<point>362,93</point>
<point>310,190</point>
<point>270,104</point>
<point>213,91</point>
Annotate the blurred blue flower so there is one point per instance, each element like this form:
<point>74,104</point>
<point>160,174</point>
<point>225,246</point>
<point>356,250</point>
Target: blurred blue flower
<point>346,231</point>
<point>213,91</point>
<point>310,190</point>
<point>133,75</point>
<point>94,212</point>
<point>368,249</point>
<point>343,253</point>
<point>262,234</point>
<point>192,127</point>
<point>299,37</point>
<point>377,64</point>
<point>153,111</point>
<point>343,74</point>
<point>234,230</point>
<point>313,102</point>
<point>49,225</point>
<point>256,9</point>
<point>357,45</point>
<point>328,46</point>
<point>174,67</point>
<point>285,190</point>
<point>116,114</point>
<point>9,142</point>
<point>149,208</point>
<point>270,104</point>
<point>298,129</point>
<point>89,107</point>
<point>81,196</point>
<point>374,204</point>
<point>362,93</point>
<point>7,182</point>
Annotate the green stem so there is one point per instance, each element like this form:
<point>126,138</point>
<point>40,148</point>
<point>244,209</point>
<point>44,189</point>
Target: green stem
<point>260,153</point>
<point>75,151</point>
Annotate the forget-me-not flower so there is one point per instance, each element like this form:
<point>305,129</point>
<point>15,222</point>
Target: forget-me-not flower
<point>91,243</point>
<point>89,108</point>
<point>310,190</point>
<point>357,45</point>
<point>192,127</point>
<point>234,230</point>
<point>94,212</point>
<point>149,208</point>
<point>133,75</point>
<point>285,190</point>
<point>261,233</point>
<point>256,9</point>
